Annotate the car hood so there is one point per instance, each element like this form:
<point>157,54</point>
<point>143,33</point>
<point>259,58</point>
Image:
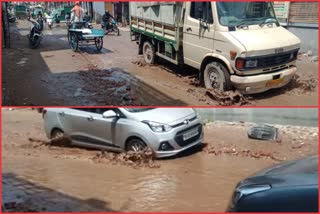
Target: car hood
<point>163,115</point>
<point>293,173</point>
<point>265,41</point>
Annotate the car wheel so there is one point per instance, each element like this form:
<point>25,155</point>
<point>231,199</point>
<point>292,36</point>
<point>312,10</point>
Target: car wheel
<point>135,145</point>
<point>149,53</point>
<point>57,133</point>
<point>216,76</point>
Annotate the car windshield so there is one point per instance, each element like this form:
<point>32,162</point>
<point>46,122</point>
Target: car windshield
<point>134,110</point>
<point>245,13</point>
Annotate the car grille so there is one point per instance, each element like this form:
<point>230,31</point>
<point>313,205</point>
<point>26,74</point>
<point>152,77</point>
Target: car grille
<point>276,59</point>
<point>179,136</point>
<point>182,123</point>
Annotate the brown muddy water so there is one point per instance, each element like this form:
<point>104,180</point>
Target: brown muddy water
<point>67,179</point>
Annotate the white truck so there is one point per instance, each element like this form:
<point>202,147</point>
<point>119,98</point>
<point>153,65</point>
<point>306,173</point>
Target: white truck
<point>232,44</point>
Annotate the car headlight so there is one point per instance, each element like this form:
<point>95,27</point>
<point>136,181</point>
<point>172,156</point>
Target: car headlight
<point>158,127</point>
<point>251,63</point>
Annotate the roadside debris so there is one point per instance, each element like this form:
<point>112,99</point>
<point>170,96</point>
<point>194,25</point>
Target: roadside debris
<point>264,132</point>
<point>298,146</point>
<point>140,63</point>
<point>308,85</point>
<point>25,206</point>
<point>228,98</point>
<point>302,85</point>
<point>145,158</point>
<point>233,151</point>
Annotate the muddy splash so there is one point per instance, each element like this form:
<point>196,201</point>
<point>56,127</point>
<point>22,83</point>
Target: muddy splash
<point>140,159</point>
<point>64,141</point>
<point>145,158</point>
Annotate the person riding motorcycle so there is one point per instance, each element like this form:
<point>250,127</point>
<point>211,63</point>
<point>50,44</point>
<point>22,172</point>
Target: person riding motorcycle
<point>38,21</point>
<point>106,19</point>
<point>86,17</point>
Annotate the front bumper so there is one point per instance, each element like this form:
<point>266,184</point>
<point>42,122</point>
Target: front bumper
<point>175,139</point>
<point>260,83</point>
<point>163,154</point>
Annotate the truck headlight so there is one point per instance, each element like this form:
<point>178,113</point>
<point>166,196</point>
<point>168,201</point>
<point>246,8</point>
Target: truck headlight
<point>157,127</point>
<point>251,63</point>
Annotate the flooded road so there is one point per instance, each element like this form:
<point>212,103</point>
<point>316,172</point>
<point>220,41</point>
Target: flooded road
<point>68,179</point>
<point>55,75</point>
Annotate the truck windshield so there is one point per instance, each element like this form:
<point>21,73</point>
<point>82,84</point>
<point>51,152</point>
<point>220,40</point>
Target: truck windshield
<point>245,13</point>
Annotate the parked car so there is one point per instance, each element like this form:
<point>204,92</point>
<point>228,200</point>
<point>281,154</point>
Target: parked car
<point>287,187</point>
<point>166,131</point>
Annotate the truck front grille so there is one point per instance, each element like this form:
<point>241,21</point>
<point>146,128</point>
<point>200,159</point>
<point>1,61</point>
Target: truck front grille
<point>276,59</point>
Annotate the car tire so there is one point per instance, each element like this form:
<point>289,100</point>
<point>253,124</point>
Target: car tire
<point>57,133</point>
<point>135,145</point>
<point>216,76</point>
<point>149,53</point>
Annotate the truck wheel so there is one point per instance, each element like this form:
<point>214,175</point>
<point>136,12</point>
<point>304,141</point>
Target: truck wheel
<point>149,53</point>
<point>216,76</point>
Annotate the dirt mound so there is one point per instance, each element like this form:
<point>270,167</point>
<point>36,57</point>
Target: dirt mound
<point>232,150</point>
<point>145,158</point>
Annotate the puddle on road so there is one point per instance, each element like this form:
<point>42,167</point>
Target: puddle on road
<point>103,87</point>
<point>194,183</point>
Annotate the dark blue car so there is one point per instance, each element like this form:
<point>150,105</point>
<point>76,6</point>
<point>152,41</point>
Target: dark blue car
<point>287,187</point>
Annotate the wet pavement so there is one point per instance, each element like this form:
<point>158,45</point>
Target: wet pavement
<point>54,75</point>
<point>198,180</point>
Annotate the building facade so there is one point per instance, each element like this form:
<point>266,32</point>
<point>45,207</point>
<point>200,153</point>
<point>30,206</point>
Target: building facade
<point>301,18</point>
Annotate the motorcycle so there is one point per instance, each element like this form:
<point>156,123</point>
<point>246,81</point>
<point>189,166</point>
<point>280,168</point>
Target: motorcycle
<point>11,18</point>
<point>35,35</point>
<point>111,28</point>
<point>88,25</point>
<point>50,21</point>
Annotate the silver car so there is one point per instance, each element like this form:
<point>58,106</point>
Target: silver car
<point>167,131</point>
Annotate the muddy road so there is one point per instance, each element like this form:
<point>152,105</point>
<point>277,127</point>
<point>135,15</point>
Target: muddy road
<point>54,75</point>
<point>200,180</point>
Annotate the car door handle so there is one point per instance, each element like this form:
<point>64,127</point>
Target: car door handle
<point>62,114</point>
<point>90,118</point>
<point>189,29</point>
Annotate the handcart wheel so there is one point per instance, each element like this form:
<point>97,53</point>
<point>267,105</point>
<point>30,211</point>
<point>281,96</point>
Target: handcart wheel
<point>74,42</point>
<point>99,43</point>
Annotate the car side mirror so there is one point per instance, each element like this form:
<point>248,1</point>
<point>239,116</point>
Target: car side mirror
<point>109,114</point>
